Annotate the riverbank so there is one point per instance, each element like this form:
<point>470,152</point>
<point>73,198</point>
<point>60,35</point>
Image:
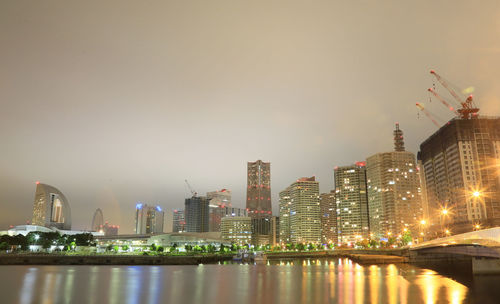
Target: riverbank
<point>358,256</point>
<point>365,257</point>
<point>53,259</point>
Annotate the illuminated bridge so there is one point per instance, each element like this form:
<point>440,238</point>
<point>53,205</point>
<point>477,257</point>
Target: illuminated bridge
<point>480,248</point>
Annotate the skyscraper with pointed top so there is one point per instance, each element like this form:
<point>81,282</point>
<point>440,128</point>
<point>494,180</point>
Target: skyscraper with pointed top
<point>393,185</point>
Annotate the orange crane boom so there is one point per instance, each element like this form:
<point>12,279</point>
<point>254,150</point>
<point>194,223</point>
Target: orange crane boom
<point>443,101</point>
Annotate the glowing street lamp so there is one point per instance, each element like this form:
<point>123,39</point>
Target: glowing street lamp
<point>476,194</point>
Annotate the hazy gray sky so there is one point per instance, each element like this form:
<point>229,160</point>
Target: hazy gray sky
<point>115,102</point>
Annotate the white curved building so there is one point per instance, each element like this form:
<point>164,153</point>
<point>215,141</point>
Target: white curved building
<point>51,208</point>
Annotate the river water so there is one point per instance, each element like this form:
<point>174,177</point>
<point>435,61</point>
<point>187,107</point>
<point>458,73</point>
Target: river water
<point>293,281</point>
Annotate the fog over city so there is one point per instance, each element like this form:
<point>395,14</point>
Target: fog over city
<point>115,104</point>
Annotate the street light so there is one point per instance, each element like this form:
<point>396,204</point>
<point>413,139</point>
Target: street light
<point>476,194</point>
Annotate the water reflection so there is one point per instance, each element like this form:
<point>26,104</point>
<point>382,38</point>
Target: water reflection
<point>285,281</point>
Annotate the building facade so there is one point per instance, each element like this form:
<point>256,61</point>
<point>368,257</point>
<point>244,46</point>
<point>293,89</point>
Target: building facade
<point>148,219</point>
<point>196,212</point>
<point>258,201</point>
<point>237,229</point>
<point>305,221</point>
<point>461,164</point>
<point>352,202</point>
<point>178,221</point>
<point>284,217</point>
<point>328,211</point>
<point>393,185</point>
<point>51,208</point>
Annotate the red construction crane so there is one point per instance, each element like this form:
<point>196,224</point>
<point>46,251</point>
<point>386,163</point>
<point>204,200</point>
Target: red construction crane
<point>443,101</point>
<point>468,108</point>
<point>421,108</point>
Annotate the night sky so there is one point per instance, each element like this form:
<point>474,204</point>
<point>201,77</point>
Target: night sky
<point>114,102</point>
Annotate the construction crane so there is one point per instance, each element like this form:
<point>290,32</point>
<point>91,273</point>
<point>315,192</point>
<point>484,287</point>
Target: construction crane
<point>443,101</point>
<point>421,108</point>
<point>468,109</point>
<point>193,193</point>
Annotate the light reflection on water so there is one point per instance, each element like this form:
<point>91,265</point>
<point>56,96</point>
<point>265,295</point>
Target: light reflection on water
<point>291,281</point>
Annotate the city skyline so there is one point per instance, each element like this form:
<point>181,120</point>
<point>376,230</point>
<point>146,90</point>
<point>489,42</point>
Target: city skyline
<point>284,90</point>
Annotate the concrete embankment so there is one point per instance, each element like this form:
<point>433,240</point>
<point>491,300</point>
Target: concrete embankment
<point>359,256</point>
<point>52,259</point>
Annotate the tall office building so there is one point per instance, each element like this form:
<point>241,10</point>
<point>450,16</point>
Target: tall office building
<point>148,219</point>
<point>352,202</point>
<point>305,221</point>
<point>51,208</point>
<point>178,221</point>
<point>328,211</point>
<point>196,212</point>
<point>284,218</point>
<point>394,196</point>
<point>461,164</point>
<point>259,189</point>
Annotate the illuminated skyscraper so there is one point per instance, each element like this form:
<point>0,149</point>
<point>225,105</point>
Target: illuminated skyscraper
<point>51,208</point>
<point>461,163</point>
<point>328,208</point>
<point>259,189</point>
<point>304,219</point>
<point>148,219</point>
<point>394,197</point>
<point>284,218</point>
<point>352,202</point>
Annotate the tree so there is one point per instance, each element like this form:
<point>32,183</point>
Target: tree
<point>300,246</point>
<point>188,248</point>
<point>153,247</point>
<point>109,247</point>
<point>234,247</point>
<point>311,246</point>
<point>125,247</point>
<point>290,246</point>
<point>406,238</point>
<point>160,249</point>
<point>4,246</point>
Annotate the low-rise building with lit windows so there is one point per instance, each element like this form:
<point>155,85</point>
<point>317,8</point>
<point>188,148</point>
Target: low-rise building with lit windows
<point>237,229</point>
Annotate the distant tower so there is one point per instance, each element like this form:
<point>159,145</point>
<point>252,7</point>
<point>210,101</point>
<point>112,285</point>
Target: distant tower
<point>399,143</point>
<point>259,189</point>
<point>97,220</point>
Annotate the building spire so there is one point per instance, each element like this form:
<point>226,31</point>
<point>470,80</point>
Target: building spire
<point>399,144</point>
